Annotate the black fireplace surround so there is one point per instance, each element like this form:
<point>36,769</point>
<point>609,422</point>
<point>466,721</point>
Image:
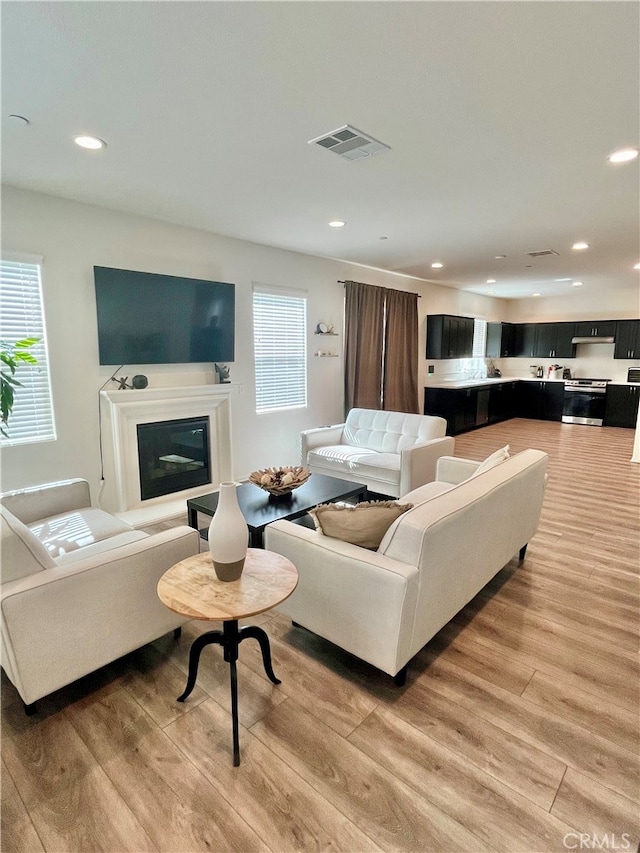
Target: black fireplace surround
<point>173,456</point>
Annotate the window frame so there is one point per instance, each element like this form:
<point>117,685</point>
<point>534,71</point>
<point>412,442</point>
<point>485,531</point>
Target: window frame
<point>283,341</point>
<point>22,315</point>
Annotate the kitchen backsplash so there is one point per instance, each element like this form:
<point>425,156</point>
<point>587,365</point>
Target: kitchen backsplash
<point>593,361</point>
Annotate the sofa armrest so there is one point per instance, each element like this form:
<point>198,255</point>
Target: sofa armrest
<point>455,469</point>
<point>319,437</point>
<point>418,462</point>
<point>358,599</point>
<point>38,502</point>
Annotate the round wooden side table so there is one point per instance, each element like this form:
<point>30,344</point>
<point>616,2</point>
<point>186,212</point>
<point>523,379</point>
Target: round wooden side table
<point>192,589</point>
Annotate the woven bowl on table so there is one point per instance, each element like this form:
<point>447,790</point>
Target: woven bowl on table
<point>280,481</point>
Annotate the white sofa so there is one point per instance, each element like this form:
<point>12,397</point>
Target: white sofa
<point>390,452</point>
<point>384,605</point>
<point>78,586</point>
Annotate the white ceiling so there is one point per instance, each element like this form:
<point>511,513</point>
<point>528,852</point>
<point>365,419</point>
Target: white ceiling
<point>499,116</point>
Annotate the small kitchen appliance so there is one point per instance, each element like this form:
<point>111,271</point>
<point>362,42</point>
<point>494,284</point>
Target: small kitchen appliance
<point>584,401</point>
<point>633,374</point>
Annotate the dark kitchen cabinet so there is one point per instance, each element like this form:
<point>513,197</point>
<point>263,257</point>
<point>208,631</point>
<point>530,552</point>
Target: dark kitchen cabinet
<point>553,340</point>
<point>541,400</point>
<point>449,336</point>
<point>621,405</point>
<point>499,340</point>
<point>467,408</point>
<point>595,329</point>
<point>627,339</point>
<point>502,401</point>
<point>524,340</point>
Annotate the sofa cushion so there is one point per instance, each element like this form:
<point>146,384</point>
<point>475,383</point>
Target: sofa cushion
<point>101,547</point>
<point>22,553</point>
<point>390,432</point>
<point>69,531</point>
<point>491,461</point>
<point>357,462</point>
<point>363,524</point>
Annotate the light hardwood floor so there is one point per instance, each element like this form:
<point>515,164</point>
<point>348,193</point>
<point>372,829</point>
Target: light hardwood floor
<point>517,729</point>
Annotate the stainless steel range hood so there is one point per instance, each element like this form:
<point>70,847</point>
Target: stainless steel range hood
<point>605,339</point>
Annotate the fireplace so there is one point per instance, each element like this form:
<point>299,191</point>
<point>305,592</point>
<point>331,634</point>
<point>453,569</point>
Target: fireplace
<point>172,456</point>
<point>204,407</point>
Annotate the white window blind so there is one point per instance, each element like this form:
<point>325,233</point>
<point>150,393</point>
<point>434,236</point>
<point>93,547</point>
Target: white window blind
<point>22,316</point>
<point>280,347</point>
<point>479,338</point>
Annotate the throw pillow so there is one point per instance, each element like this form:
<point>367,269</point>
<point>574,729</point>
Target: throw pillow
<point>363,524</point>
<point>491,461</point>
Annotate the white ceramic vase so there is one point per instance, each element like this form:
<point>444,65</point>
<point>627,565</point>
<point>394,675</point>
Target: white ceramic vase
<point>228,535</point>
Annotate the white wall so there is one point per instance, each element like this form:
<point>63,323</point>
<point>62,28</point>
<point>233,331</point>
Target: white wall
<point>577,305</point>
<point>74,237</point>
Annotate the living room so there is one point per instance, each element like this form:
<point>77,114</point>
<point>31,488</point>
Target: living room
<point>74,211</point>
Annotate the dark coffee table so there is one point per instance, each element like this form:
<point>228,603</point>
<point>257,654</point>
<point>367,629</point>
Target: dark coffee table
<point>260,508</point>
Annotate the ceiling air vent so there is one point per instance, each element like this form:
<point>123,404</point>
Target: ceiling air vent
<point>350,143</point>
<point>542,253</point>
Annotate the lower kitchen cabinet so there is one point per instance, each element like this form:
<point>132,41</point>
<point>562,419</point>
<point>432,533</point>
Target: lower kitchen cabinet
<point>503,401</point>
<point>622,405</point>
<point>467,408</point>
<point>542,401</point>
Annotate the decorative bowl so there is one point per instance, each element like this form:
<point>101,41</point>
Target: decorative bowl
<point>280,481</point>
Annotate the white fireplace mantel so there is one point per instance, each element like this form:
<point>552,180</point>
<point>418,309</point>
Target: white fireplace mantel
<point>120,414</point>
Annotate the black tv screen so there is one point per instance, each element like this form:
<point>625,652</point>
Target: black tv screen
<point>146,318</point>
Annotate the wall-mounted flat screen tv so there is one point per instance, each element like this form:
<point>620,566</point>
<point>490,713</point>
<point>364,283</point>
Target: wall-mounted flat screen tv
<point>146,318</point>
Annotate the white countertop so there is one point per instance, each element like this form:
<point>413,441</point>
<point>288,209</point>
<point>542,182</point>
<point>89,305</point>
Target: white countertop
<point>476,383</point>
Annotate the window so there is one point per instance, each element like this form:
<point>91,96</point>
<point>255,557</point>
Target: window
<point>280,348</point>
<point>21,316</point>
<point>475,365</point>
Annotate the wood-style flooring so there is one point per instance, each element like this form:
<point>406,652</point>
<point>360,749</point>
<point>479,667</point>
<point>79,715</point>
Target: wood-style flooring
<point>517,729</point>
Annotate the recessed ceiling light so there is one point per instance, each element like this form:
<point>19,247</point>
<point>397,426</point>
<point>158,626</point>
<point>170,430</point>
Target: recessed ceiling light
<point>90,142</point>
<point>535,294</point>
<point>436,265</point>
<point>636,266</point>
<point>337,223</point>
<point>491,281</point>
<point>563,279</point>
<point>17,119</point>
<point>577,283</point>
<point>500,257</point>
<point>580,245</point>
<point>383,238</point>
<point>624,155</point>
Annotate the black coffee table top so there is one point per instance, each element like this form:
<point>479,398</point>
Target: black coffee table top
<point>260,508</point>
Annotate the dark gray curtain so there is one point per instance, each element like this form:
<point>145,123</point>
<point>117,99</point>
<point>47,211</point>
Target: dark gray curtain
<point>400,382</point>
<point>363,342</point>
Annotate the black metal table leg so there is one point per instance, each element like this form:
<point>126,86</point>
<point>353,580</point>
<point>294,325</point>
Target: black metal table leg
<point>265,647</point>
<point>229,638</point>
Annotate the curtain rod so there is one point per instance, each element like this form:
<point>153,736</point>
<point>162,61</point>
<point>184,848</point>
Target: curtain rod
<point>419,295</point>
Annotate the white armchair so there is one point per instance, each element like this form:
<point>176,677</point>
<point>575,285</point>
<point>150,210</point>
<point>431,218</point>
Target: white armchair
<point>78,586</point>
<point>390,452</point>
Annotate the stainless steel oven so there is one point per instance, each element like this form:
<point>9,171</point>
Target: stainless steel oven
<point>584,401</point>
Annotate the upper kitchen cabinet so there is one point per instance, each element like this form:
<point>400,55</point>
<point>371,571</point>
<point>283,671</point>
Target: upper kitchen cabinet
<point>553,340</point>
<point>627,339</point>
<point>595,329</point>
<point>499,340</point>
<point>524,340</point>
<point>449,336</point>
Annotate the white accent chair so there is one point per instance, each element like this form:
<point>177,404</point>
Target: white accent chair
<point>78,586</point>
<point>383,606</point>
<point>390,452</point>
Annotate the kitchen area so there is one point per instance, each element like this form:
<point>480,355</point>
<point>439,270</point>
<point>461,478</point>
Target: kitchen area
<point>585,373</point>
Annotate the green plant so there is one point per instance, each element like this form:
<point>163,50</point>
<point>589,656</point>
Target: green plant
<point>11,356</point>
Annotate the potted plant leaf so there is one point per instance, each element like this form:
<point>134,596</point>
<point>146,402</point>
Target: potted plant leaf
<point>11,356</point>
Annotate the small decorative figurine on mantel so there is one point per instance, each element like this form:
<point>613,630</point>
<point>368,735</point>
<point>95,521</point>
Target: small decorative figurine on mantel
<point>222,370</point>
